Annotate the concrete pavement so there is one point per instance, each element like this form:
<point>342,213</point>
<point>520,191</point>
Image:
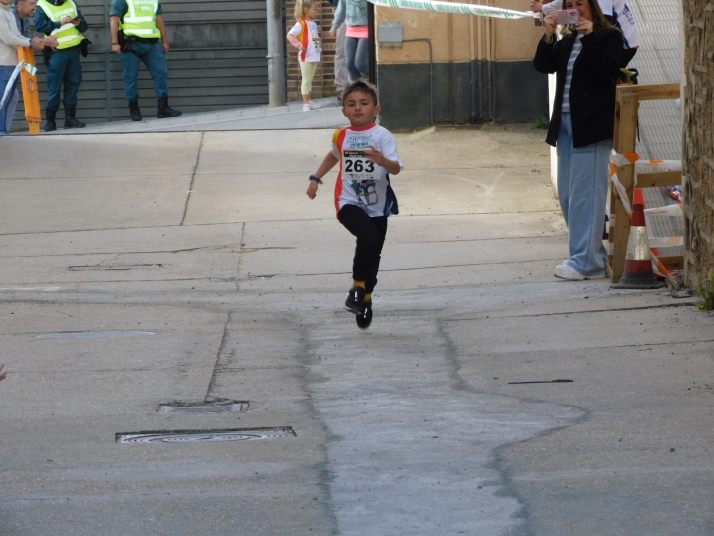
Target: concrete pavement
<point>197,270</point>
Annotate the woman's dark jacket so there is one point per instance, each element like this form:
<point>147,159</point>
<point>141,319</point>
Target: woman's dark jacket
<point>592,87</point>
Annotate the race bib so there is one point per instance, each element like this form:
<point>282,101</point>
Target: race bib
<point>356,167</point>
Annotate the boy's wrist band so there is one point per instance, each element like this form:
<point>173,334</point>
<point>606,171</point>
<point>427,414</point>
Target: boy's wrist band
<point>318,180</point>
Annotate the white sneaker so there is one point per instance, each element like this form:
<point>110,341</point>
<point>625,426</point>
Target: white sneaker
<point>565,271</point>
<point>306,108</point>
<point>313,106</point>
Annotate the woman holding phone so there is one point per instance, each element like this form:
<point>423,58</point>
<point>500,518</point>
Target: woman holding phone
<point>586,61</point>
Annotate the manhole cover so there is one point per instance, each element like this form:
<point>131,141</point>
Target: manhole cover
<point>196,436</point>
<point>412,313</point>
<point>229,406</point>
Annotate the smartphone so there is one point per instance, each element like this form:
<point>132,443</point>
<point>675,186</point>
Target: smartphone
<point>566,16</point>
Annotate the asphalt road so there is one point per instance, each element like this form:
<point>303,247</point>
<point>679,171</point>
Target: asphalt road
<point>140,270</point>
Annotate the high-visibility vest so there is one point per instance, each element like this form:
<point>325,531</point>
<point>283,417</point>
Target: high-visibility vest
<point>140,20</point>
<point>67,35</point>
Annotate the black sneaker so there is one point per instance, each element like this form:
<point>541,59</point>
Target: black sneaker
<point>355,300</point>
<point>364,319</point>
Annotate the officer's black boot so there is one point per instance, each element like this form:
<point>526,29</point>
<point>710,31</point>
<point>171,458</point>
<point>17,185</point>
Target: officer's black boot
<point>71,120</point>
<point>51,124</point>
<point>165,111</point>
<point>134,110</point>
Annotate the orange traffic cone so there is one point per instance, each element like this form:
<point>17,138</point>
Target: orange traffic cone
<point>638,263</point>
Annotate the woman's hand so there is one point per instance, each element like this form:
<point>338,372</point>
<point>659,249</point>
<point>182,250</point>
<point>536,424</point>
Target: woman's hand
<point>333,33</point>
<point>549,25</point>
<point>584,26</point>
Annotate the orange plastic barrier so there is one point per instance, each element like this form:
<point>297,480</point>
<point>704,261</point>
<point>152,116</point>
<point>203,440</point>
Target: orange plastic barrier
<point>30,93</point>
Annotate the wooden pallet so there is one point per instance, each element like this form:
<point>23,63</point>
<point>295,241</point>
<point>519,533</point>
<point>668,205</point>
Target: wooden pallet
<point>625,142</point>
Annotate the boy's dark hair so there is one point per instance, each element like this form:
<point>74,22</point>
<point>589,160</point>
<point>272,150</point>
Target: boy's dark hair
<point>360,86</point>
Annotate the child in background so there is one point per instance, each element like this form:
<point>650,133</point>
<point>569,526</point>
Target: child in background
<point>367,154</point>
<point>305,37</point>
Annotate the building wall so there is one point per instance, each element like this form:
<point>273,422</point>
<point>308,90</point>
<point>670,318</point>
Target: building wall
<point>698,158</point>
<point>482,68</point>
<point>323,84</point>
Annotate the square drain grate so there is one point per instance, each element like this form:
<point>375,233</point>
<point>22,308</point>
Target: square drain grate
<point>223,406</point>
<point>201,436</point>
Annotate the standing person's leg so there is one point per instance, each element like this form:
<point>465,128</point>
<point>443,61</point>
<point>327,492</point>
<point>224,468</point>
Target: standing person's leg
<point>350,53</point>
<point>362,57</point>
<point>341,74</point>
<point>11,108</point>
<point>155,60</point>
<point>55,78</point>
<point>6,72</point>
<point>564,147</point>
<point>307,69</point>
<point>588,200</point>
<point>72,81</point>
<point>130,63</point>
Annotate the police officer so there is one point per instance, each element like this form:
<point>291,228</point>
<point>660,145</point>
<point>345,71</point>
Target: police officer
<point>63,20</point>
<point>142,26</point>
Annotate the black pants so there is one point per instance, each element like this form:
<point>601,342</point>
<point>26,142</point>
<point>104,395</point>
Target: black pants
<point>370,233</point>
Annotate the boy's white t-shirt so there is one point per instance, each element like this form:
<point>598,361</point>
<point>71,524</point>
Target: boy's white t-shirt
<point>313,53</point>
<point>360,182</point>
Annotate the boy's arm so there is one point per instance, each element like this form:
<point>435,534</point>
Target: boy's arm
<point>327,164</point>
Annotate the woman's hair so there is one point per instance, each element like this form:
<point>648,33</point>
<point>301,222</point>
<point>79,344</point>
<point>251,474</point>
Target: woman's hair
<point>599,20</point>
<point>301,6</point>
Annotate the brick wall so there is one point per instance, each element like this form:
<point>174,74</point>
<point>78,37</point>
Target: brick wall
<point>323,84</point>
<point>698,157</point>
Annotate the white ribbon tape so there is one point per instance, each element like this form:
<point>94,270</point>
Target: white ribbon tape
<point>463,9</point>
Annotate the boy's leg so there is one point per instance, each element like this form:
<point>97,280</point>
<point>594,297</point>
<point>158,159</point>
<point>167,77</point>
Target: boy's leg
<point>381,226</point>
<point>369,242</point>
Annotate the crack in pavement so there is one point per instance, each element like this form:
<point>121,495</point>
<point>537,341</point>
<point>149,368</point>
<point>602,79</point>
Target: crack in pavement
<point>193,177</point>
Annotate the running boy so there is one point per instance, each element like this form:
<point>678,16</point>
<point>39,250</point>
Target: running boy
<point>367,154</point>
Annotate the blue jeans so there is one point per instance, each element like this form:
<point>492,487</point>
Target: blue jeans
<point>357,56</point>
<point>155,60</point>
<point>582,191</point>
<point>5,115</point>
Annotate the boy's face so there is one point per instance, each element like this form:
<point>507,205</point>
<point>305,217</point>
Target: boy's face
<point>360,109</point>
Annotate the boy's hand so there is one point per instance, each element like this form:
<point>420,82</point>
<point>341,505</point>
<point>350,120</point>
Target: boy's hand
<point>376,156</point>
<point>312,189</point>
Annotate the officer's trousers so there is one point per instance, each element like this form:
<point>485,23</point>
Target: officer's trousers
<point>64,68</point>
<point>155,60</point>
